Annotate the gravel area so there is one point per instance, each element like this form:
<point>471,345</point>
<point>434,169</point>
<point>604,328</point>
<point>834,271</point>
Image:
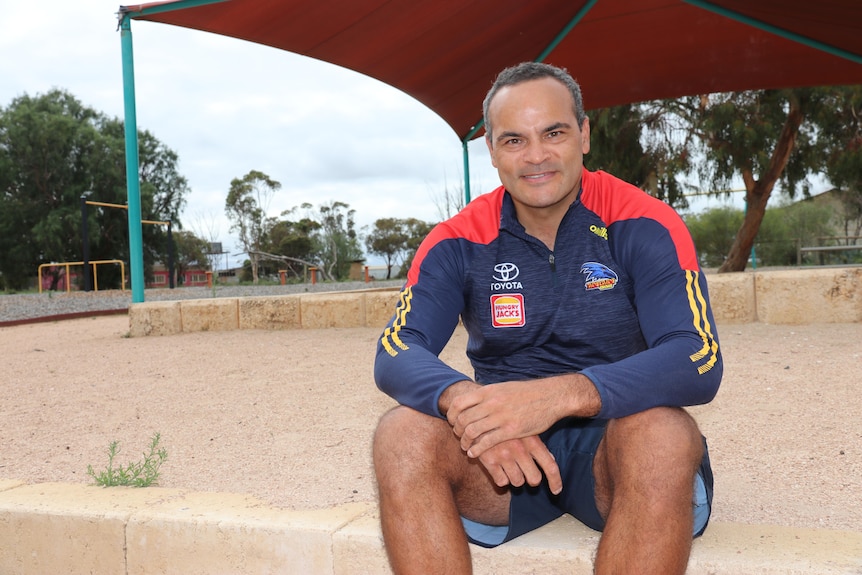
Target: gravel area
<point>23,307</point>
<point>287,416</point>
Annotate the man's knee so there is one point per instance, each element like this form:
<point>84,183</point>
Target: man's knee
<point>407,440</point>
<point>656,451</point>
<point>659,432</point>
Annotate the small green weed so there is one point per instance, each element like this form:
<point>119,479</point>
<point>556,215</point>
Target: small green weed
<point>143,473</point>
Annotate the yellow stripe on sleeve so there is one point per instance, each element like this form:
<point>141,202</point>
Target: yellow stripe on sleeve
<point>390,339</point>
<point>698,306</point>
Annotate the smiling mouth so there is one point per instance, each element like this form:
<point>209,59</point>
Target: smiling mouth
<point>536,176</point>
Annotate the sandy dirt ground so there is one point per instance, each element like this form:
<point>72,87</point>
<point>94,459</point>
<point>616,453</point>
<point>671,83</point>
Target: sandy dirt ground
<point>288,416</point>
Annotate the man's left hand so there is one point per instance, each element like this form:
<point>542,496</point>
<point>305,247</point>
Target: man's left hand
<point>495,413</point>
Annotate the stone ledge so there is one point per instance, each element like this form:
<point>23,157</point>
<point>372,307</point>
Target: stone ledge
<point>732,297</point>
<point>828,295</point>
<point>819,295</point>
<point>269,312</point>
<point>72,528</point>
<point>366,308</point>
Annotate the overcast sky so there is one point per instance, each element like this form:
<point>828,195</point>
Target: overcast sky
<point>227,106</point>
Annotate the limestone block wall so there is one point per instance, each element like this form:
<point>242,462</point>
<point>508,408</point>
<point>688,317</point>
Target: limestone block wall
<point>817,295</point>
<point>366,308</point>
<point>799,296</point>
<point>732,297</point>
<point>828,295</point>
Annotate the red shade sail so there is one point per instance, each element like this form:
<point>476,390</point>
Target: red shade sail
<point>446,53</point>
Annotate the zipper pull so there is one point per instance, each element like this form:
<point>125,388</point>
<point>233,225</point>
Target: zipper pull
<point>552,262</point>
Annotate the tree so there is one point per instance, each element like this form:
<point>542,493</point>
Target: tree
<point>191,251</point>
<point>758,136</point>
<point>396,240</point>
<point>291,243</point>
<point>246,205</point>
<point>44,142</point>
<point>766,138</point>
<point>388,239</point>
<point>615,143</point>
<point>640,144</point>
<point>163,193</point>
<point>782,231</point>
<point>206,228</point>
<point>335,243</point>
<point>416,232</point>
<point>840,123</point>
<point>53,150</point>
<point>713,231</point>
<point>787,227</point>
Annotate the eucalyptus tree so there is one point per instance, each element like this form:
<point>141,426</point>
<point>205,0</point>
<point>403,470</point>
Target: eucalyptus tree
<point>246,207</point>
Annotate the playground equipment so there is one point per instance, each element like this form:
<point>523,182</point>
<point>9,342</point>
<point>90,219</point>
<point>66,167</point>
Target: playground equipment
<point>85,264</point>
<point>86,243</point>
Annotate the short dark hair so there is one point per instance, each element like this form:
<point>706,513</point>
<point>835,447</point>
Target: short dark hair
<point>527,71</point>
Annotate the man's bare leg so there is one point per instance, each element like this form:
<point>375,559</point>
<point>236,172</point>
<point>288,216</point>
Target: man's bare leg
<point>645,469</point>
<point>425,483</point>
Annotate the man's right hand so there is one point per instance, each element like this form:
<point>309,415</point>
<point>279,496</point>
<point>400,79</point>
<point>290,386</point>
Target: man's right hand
<point>518,461</point>
<point>513,461</point>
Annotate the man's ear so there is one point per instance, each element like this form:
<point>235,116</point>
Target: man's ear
<point>490,149</point>
<point>585,136</point>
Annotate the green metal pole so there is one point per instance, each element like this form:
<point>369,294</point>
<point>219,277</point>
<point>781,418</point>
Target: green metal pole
<point>466,152</point>
<point>565,31</point>
<point>167,7</point>
<point>789,35</point>
<point>133,183</point>
<point>753,251</point>
<point>466,172</point>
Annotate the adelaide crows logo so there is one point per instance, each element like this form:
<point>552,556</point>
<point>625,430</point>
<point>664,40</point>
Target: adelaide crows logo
<point>599,276</point>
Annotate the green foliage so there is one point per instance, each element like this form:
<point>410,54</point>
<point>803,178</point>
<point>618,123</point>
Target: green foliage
<point>396,240</point>
<point>333,235</point>
<point>741,132</point>
<point>54,149</point>
<point>144,473</point>
<point>246,206</point>
<point>840,125</point>
<point>190,251</point>
<point>783,230</point>
<point>615,143</point>
<point>769,139</point>
<point>337,241</point>
<point>787,227</point>
<point>387,239</point>
<point>637,143</point>
<point>713,232</point>
<point>293,239</point>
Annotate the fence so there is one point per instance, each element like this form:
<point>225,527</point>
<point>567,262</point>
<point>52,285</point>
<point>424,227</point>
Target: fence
<point>821,249</point>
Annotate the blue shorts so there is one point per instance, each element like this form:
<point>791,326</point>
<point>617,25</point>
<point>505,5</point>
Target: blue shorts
<point>574,443</point>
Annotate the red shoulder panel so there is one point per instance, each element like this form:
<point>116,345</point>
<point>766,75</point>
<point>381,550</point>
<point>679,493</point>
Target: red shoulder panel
<point>615,200</point>
<point>478,222</point>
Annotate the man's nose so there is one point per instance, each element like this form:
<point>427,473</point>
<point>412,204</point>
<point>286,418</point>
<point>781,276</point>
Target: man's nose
<point>535,152</point>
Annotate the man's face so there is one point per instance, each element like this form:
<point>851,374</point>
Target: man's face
<point>537,145</point>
